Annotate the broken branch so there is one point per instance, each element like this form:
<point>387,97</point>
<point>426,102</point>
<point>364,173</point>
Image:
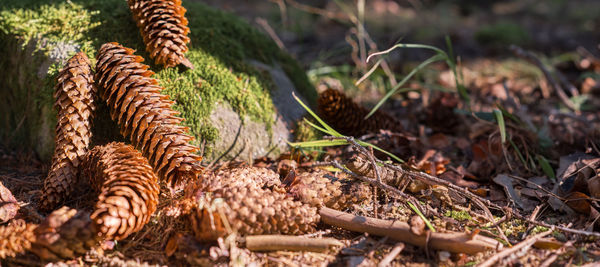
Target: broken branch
<point>291,243</point>
<point>400,231</point>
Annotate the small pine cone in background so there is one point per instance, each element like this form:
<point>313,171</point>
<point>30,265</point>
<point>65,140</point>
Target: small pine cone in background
<point>65,234</point>
<point>319,188</point>
<point>249,210</point>
<point>128,189</point>
<point>255,176</point>
<point>16,238</point>
<point>164,28</point>
<point>144,115</point>
<point>348,117</point>
<point>74,97</point>
<point>362,165</point>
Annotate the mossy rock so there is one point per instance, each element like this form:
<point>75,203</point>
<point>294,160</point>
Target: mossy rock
<point>237,101</point>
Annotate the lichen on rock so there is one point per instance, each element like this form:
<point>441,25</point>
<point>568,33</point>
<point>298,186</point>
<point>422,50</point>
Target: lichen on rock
<point>35,35</point>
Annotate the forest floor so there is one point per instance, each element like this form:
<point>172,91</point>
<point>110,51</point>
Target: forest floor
<point>521,133</point>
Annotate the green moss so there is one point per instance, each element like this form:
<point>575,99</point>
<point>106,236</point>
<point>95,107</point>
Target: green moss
<point>221,45</point>
<point>459,215</point>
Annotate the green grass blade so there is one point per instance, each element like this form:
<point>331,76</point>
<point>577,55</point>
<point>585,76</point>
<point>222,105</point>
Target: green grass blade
<point>319,143</point>
<point>385,52</point>
<point>500,120</point>
<point>329,129</point>
<point>546,167</point>
<point>418,212</point>
<point>406,78</point>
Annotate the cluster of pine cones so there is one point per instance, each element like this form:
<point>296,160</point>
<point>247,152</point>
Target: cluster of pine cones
<point>126,177</point>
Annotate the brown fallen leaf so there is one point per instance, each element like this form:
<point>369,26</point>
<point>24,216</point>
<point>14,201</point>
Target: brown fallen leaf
<point>579,202</point>
<point>8,204</point>
<point>548,243</point>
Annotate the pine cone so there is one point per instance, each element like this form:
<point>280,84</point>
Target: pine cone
<point>361,165</point>
<point>249,210</point>
<point>319,188</point>
<point>74,96</point>
<point>65,234</point>
<point>128,189</point>
<point>348,117</point>
<point>255,176</point>
<point>16,238</point>
<point>145,115</point>
<point>164,28</point>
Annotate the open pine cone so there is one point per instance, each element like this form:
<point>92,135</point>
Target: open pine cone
<point>128,189</point>
<point>74,97</point>
<point>65,234</point>
<point>348,117</point>
<point>144,115</point>
<point>164,28</point>
<point>248,209</point>
<point>319,188</point>
<point>16,238</point>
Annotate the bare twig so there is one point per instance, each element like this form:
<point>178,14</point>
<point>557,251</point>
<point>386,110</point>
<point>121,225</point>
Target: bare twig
<point>292,243</point>
<point>265,24</point>
<point>400,231</point>
<point>520,52</point>
<point>391,256</point>
<point>524,245</point>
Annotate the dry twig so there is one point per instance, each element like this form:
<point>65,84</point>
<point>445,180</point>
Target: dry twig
<point>400,231</point>
<point>524,245</point>
<point>289,242</point>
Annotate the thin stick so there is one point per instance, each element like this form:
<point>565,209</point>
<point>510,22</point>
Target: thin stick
<point>400,231</point>
<point>291,243</point>
<point>524,245</point>
<point>387,260</point>
<point>520,52</point>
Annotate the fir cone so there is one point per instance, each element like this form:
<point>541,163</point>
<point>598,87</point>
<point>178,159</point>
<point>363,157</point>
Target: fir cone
<point>144,115</point>
<point>16,238</point>
<point>249,210</point>
<point>255,176</point>
<point>348,117</point>
<point>319,188</point>
<point>164,28</point>
<point>74,97</point>
<point>128,189</point>
<point>361,165</point>
<point>65,234</point>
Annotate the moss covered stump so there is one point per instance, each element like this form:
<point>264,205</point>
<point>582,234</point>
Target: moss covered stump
<point>237,101</point>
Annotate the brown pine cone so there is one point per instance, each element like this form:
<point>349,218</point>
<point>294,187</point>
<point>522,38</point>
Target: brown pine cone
<point>255,176</point>
<point>16,238</point>
<point>145,115</point>
<point>361,165</point>
<point>128,189</point>
<point>319,188</point>
<point>249,210</point>
<point>65,234</point>
<point>348,117</point>
<point>164,28</point>
<point>74,96</point>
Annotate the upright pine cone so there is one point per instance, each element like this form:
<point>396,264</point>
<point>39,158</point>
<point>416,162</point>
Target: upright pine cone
<point>65,234</point>
<point>319,188</point>
<point>249,210</point>
<point>164,28</point>
<point>128,189</point>
<point>16,238</point>
<point>74,96</point>
<point>144,115</point>
<point>348,117</point>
